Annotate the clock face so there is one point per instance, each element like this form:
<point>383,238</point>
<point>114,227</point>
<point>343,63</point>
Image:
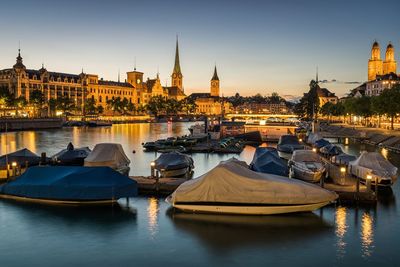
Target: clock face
<point>174,75</point>
<point>138,81</point>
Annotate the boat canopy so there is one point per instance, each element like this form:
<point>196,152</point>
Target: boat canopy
<point>288,140</point>
<point>20,157</point>
<point>71,155</point>
<point>331,150</point>
<point>267,160</point>
<point>107,154</point>
<point>321,143</point>
<point>344,158</point>
<point>376,162</point>
<point>313,137</point>
<point>230,182</point>
<point>173,161</point>
<point>71,183</point>
<point>305,156</point>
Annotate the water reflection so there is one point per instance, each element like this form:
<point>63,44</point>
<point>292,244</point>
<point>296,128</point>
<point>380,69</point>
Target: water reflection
<point>222,233</point>
<point>341,229</point>
<point>152,214</point>
<point>367,234</point>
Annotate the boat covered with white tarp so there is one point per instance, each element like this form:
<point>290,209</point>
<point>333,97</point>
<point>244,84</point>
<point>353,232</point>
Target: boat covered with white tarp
<point>374,166</point>
<point>110,155</point>
<point>232,188</point>
<point>306,165</point>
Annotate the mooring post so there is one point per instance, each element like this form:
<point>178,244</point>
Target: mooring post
<point>376,187</point>
<point>358,187</point>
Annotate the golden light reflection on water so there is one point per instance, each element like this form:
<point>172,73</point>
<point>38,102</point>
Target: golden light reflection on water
<point>367,234</point>
<point>152,214</point>
<point>384,153</point>
<point>341,229</point>
<point>9,141</point>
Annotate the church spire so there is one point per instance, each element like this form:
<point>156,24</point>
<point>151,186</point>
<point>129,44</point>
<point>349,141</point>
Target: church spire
<point>177,66</point>
<point>19,64</point>
<point>316,78</point>
<point>215,76</point>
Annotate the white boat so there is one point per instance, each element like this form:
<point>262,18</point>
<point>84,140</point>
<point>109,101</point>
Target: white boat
<point>232,188</point>
<point>306,165</point>
<point>372,165</point>
<point>110,155</point>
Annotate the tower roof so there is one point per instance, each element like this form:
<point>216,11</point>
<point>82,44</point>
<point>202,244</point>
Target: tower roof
<point>19,63</point>
<point>389,45</point>
<point>215,76</point>
<point>375,45</point>
<point>177,66</point>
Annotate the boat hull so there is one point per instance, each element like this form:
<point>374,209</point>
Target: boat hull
<point>308,176</point>
<point>176,173</point>
<point>248,210</point>
<point>60,202</point>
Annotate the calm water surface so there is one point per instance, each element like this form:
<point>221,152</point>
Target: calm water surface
<point>146,232</point>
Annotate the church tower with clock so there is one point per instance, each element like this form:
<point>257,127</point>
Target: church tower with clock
<point>214,84</point>
<point>177,77</point>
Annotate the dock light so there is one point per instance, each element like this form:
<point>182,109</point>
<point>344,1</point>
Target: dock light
<point>300,140</point>
<point>314,149</point>
<point>153,163</point>
<point>152,170</point>
<point>14,164</point>
<point>343,169</point>
<point>369,178</point>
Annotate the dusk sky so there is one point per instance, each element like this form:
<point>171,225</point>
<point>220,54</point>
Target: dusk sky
<point>258,46</point>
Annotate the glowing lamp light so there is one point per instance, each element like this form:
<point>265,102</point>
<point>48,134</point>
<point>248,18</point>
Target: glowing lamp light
<point>14,164</point>
<point>300,140</point>
<point>369,176</point>
<point>59,113</point>
<point>314,149</point>
<point>343,169</point>
<point>153,163</point>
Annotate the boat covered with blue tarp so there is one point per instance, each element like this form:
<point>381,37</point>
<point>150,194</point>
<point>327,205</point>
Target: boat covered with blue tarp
<point>321,143</point>
<point>70,184</point>
<point>267,160</point>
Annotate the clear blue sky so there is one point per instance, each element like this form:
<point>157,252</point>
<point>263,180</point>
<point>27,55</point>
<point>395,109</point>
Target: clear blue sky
<point>259,46</point>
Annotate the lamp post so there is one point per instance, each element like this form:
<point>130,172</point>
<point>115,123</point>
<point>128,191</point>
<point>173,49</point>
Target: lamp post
<point>314,150</point>
<point>14,167</point>
<point>369,178</point>
<point>342,174</point>
<point>152,165</point>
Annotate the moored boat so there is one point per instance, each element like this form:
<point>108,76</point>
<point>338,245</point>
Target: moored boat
<point>267,160</point>
<point>71,156</point>
<point>306,165</point>
<point>174,164</point>
<point>110,155</point>
<point>343,159</point>
<point>69,185</point>
<point>331,150</point>
<point>374,167</point>
<point>232,188</point>
<point>287,144</point>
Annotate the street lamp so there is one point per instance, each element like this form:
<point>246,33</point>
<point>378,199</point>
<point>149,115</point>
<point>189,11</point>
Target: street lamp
<point>314,149</point>
<point>369,179</point>
<point>152,165</point>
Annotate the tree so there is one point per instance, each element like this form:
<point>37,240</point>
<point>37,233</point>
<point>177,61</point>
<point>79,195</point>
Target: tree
<point>156,105</point>
<point>36,99</point>
<point>308,107</point>
<point>328,110</point>
<point>391,102</point>
<point>377,107</point>
<point>19,103</point>
<point>52,105</point>
<point>6,98</point>
<point>90,106</point>
<point>188,105</point>
<point>65,104</point>
<point>100,109</point>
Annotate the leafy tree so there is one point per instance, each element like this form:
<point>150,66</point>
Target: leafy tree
<point>90,106</point>
<point>156,105</point>
<point>19,103</point>
<point>65,104</point>
<point>391,102</point>
<point>36,99</point>
<point>100,109</point>
<point>328,110</point>
<point>52,105</point>
<point>378,107</point>
<point>308,107</point>
<point>188,105</point>
<point>172,106</point>
<point>6,98</point>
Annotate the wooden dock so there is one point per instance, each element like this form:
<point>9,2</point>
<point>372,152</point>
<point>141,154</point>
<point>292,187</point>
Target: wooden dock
<point>160,186</point>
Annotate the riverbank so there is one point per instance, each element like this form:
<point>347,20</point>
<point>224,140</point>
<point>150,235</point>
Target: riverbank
<point>21,124</point>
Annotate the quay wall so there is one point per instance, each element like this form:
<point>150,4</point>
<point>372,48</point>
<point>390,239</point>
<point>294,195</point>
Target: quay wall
<point>22,124</point>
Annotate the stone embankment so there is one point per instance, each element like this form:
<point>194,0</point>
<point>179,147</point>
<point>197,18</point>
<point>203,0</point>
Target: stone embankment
<point>389,140</point>
<point>22,124</point>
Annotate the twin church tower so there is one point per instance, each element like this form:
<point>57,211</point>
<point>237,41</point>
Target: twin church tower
<point>378,67</point>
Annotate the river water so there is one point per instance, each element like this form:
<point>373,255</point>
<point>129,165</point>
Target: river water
<point>146,232</point>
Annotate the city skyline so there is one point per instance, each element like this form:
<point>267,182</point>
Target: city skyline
<point>273,47</point>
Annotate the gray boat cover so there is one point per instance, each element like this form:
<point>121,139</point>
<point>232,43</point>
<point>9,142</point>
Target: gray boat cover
<point>343,158</point>
<point>173,161</point>
<point>376,162</point>
<point>107,154</point>
<point>313,137</point>
<point>230,182</point>
<point>305,155</point>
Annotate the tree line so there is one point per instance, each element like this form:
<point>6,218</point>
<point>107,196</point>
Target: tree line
<point>386,104</point>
